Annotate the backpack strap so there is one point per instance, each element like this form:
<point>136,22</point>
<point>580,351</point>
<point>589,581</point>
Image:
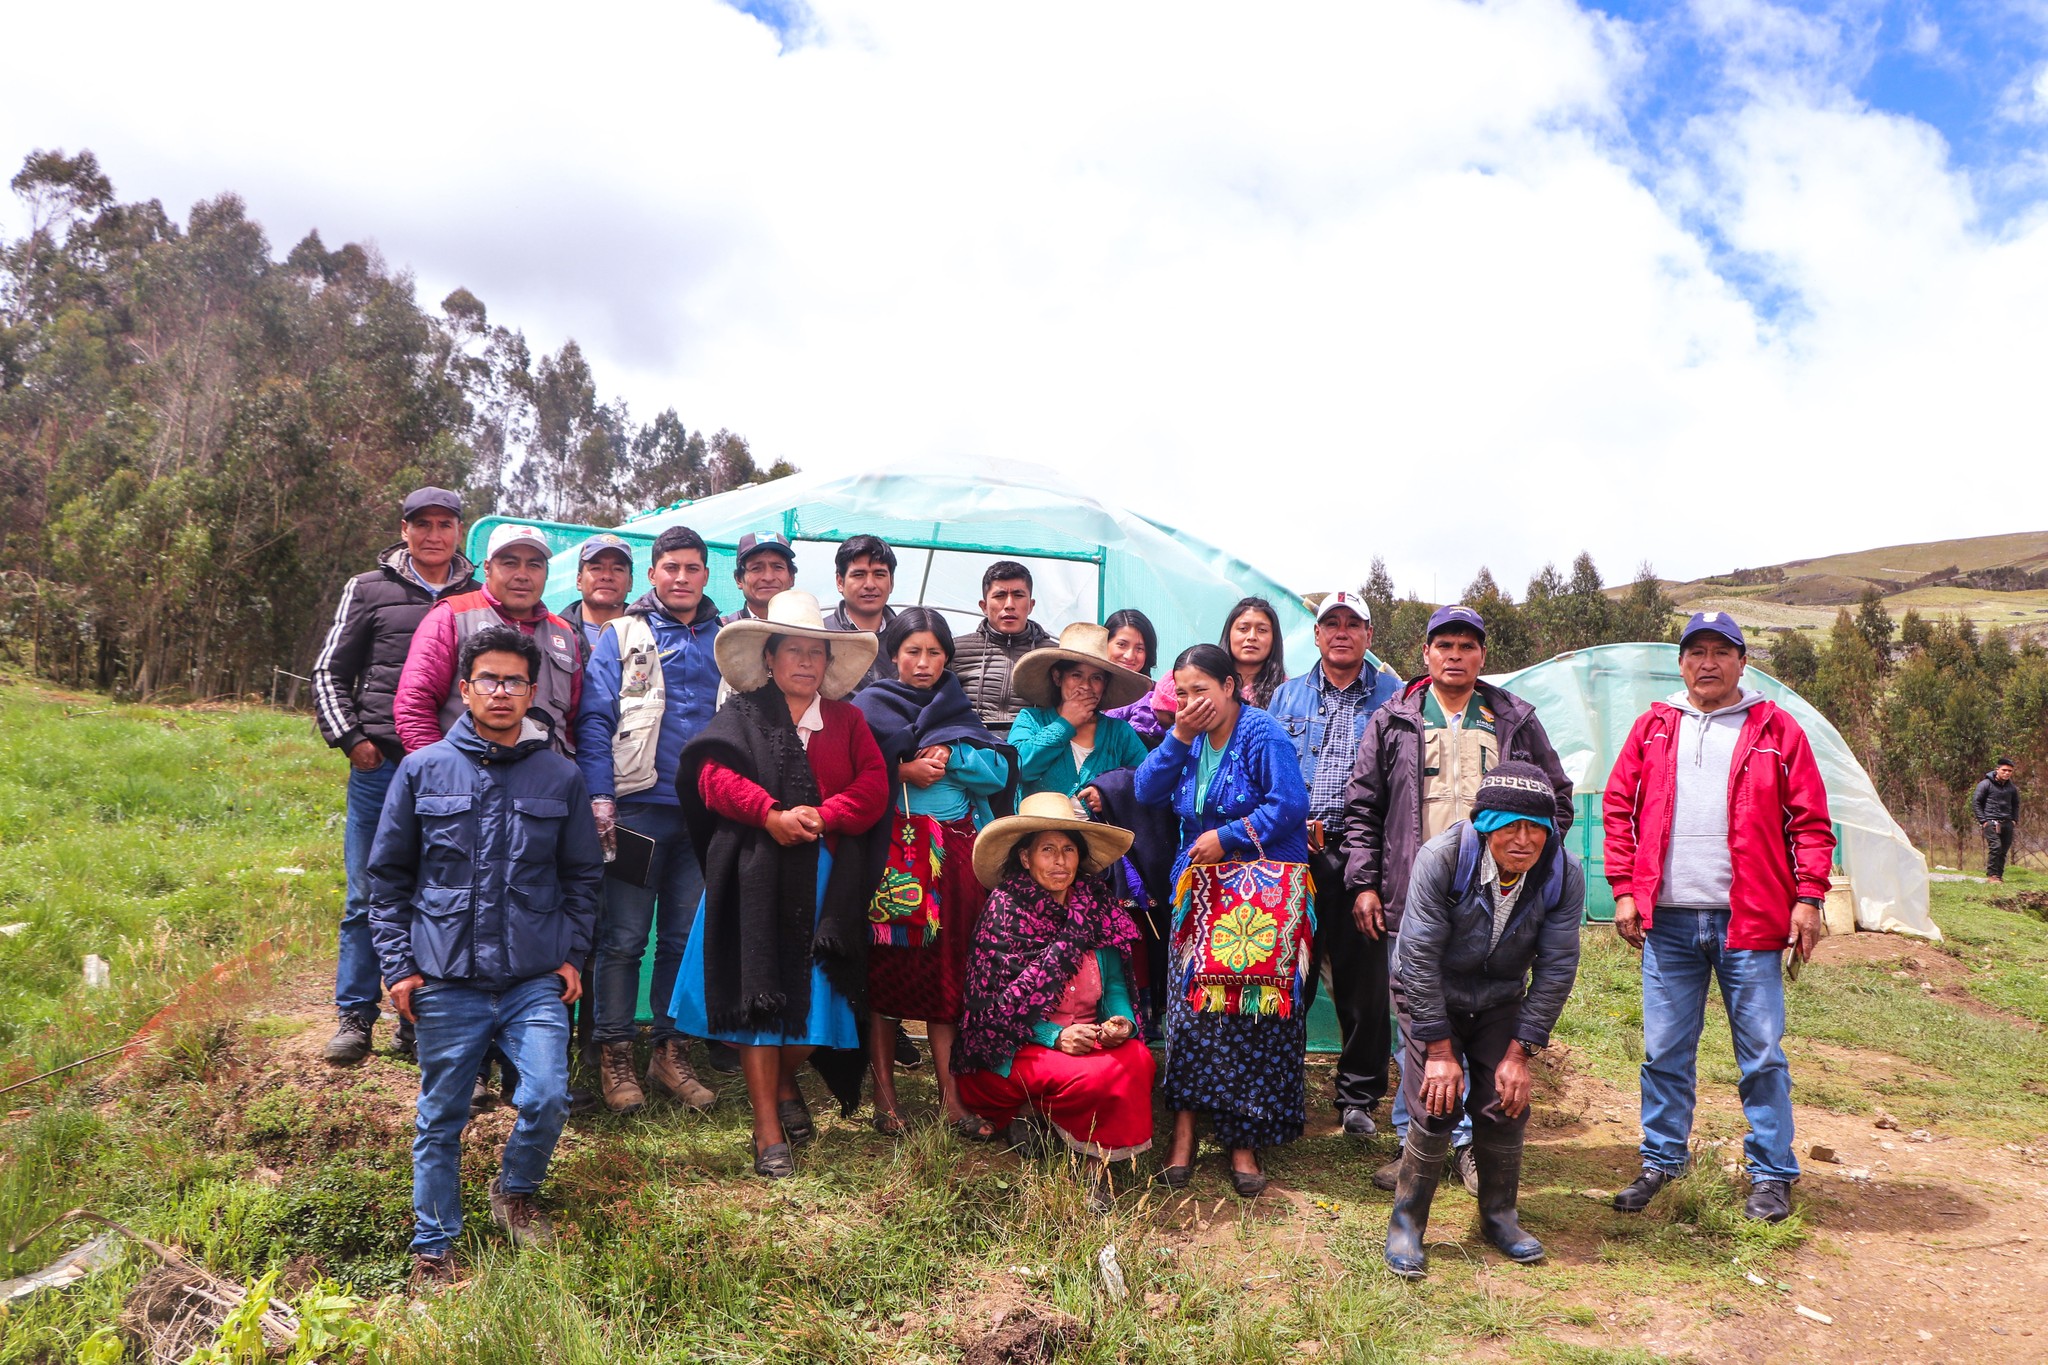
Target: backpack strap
<point>1468,859</point>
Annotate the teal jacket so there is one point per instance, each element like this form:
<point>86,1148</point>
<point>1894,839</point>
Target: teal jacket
<point>1045,759</point>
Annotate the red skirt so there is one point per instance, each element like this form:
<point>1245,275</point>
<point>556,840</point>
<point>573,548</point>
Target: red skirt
<point>1101,1103</point>
<point>929,983</point>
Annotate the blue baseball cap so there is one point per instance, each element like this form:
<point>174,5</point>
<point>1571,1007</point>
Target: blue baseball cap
<point>752,544</point>
<point>1715,623</point>
<point>601,542</point>
<point>1443,618</point>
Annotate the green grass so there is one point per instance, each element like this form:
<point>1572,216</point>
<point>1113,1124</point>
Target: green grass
<point>152,837</point>
<point>233,1146</point>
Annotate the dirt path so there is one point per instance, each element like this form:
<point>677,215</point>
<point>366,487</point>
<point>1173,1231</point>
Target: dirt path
<point>1927,1247</point>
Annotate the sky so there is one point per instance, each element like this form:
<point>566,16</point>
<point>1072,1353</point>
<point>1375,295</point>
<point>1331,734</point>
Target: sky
<point>1702,285</point>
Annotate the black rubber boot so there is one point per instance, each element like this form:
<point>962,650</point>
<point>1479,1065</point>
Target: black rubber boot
<point>1422,1164</point>
<point>1500,1186</point>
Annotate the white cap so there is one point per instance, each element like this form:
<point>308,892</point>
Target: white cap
<point>1354,600</point>
<point>510,534</point>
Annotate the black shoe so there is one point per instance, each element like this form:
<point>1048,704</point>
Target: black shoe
<point>1422,1165</point>
<point>1358,1122</point>
<point>1770,1201</point>
<point>1174,1177</point>
<point>350,1043</point>
<point>1467,1168</point>
<point>482,1095</point>
<point>406,1044</point>
<point>775,1161</point>
<point>1387,1176</point>
<point>797,1124</point>
<point>907,1055</point>
<point>723,1058</point>
<point>1500,1187</point>
<point>1638,1194</point>
<point>1248,1184</point>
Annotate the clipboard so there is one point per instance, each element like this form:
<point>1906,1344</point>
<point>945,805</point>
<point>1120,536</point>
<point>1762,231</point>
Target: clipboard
<point>635,858</point>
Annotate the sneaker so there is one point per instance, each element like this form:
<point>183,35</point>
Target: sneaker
<point>1636,1196</point>
<point>431,1274</point>
<point>350,1043</point>
<point>1467,1167</point>
<point>907,1055</point>
<point>1358,1122</point>
<point>524,1225</point>
<point>1770,1201</point>
<point>622,1092</point>
<point>669,1071</point>
<point>1388,1176</point>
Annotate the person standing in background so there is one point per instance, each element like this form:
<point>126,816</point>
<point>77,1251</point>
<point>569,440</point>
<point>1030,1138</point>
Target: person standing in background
<point>1996,806</point>
<point>355,685</point>
<point>604,580</point>
<point>987,654</point>
<point>762,566</point>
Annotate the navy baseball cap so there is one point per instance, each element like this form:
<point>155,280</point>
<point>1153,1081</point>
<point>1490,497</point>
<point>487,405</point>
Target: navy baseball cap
<point>596,545</point>
<point>1443,618</point>
<point>420,499</point>
<point>751,545</point>
<point>1717,623</point>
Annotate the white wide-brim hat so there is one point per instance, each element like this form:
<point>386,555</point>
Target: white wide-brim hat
<point>1084,642</point>
<point>1043,811</point>
<point>739,645</point>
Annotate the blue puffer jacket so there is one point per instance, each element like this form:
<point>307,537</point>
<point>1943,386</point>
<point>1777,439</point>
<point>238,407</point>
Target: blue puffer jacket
<point>689,680</point>
<point>486,864</point>
<point>1444,956</point>
<point>1302,712</point>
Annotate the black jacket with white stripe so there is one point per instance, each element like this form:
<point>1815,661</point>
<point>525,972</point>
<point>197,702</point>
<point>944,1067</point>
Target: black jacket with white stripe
<point>357,672</point>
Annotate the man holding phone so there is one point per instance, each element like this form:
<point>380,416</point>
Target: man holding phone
<point>652,684</point>
<point>1719,849</point>
<point>484,878</point>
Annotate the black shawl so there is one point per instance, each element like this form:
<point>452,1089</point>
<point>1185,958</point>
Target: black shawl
<point>906,719</point>
<point>1027,947</point>
<point>763,924</point>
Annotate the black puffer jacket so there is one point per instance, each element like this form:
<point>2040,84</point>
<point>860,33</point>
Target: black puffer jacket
<point>983,660</point>
<point>1995,800</point>
<point>1445,958</point>
<point>356,675</point>
<point>1383,803</point>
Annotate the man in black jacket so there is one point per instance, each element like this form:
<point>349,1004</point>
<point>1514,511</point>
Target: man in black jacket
<point>354,680</point>
<point>984,657</point>
<point>1996,806</point>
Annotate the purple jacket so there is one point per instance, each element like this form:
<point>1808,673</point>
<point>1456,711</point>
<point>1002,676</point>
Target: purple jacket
<point>1140,716</point>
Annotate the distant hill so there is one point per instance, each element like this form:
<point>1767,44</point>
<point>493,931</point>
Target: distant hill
<point>1994,580</point>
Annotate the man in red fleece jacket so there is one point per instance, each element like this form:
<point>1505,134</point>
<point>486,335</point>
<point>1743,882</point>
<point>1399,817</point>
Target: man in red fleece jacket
<point>1719,848</point>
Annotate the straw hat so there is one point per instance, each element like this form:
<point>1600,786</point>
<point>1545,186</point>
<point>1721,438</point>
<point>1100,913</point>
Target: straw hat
<point>1084,642</point>
<point>1046,810</point>
<point>739,645</point>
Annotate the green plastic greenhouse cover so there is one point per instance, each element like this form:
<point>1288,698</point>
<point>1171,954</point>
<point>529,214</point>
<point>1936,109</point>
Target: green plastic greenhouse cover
<point>1588,700</point>
<point>1103,557</point>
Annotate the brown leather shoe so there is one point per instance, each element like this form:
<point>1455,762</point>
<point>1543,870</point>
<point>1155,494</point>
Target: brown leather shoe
<point>622,1092</point>
<point>669,1071</point>
<point>432,1274</point>
<point>523,1224</point>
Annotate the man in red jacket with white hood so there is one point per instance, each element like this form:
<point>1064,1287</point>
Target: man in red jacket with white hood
<point>1719,848</point>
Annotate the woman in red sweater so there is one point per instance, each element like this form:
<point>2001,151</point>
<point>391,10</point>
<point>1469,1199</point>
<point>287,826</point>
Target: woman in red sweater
<point>783,793</point>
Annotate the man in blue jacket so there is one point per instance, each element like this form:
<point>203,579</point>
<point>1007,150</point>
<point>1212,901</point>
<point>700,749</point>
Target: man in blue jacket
<point>484,878</point>
<point>1324,712</point>
<point>651,685</point>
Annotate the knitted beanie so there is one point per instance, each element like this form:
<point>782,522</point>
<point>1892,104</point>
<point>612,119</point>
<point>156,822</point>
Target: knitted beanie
<point>1518,789</point>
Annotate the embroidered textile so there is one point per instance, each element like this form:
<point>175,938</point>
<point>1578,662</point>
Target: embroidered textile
<point>1246,936</point>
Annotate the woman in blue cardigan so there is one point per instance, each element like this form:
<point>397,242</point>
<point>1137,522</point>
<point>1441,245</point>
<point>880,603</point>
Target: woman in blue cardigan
<point>1229,773</point>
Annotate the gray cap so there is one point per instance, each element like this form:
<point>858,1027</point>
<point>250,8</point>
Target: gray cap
<point>420,499</point>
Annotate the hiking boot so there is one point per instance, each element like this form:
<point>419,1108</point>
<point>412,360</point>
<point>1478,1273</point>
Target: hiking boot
<point>1639,1192</point>
<point>406,1044</point>
<point>1467,1169</point>
<point>1422,1165</point>
<point>622,1092</point>
<point>669,1071</point>
<point>1770,1201</point>
<point>431,1274</point>
<point>350,1043</point>
<point>1389,1175</point>
<point>1358,1122</point>
<point>1500,1188</point>
<point>524,1225</point>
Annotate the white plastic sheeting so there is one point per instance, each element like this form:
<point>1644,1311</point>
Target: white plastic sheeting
<point>1588,700</point>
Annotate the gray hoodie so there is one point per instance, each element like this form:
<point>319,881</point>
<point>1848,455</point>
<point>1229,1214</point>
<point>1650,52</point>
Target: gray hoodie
<point>1697,867</point>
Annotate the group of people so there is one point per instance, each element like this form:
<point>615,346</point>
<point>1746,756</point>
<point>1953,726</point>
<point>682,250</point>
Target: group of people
<point>1056,853</point>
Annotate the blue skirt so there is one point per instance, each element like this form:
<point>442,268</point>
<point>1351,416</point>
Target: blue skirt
<point>829,1024</point>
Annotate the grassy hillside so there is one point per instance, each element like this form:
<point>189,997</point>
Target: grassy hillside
<point>1903,563</point>
<point>164,840</point>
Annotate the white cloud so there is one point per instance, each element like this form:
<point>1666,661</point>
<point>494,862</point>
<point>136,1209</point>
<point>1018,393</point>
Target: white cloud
<point>1314,282</point>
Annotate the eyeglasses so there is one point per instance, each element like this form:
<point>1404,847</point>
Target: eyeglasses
<point>511,687</point>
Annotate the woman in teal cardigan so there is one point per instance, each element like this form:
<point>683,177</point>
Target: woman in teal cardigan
<point>1062,738</point>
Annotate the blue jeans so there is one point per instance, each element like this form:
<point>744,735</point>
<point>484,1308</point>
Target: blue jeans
<point>457,1025</point>
<point>1683,949</point>
<point>664,907</point>
<point>358,980</point>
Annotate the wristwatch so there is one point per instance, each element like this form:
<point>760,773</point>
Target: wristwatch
<point>1531,1048</point>
<point>1813,901</point>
